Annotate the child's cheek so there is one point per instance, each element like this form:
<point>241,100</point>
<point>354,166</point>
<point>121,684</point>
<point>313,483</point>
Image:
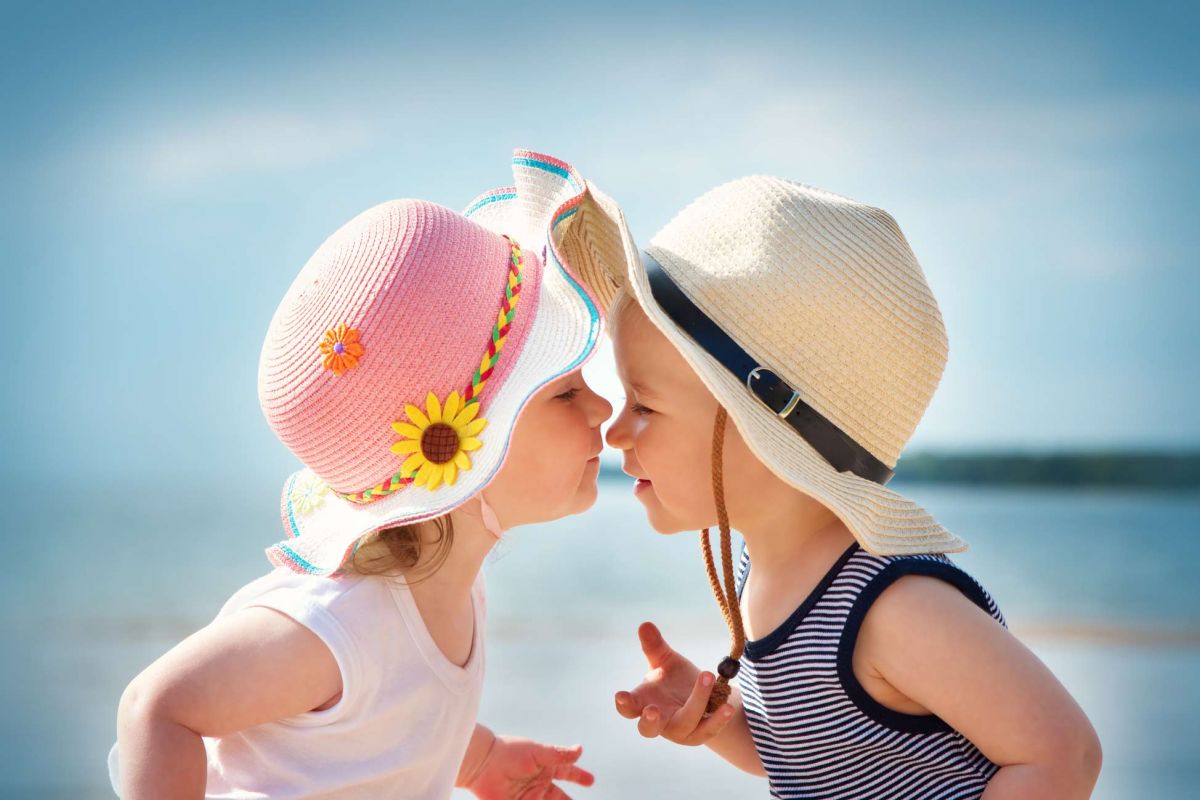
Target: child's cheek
<point>672,471</point>
<point>639,427</point>
<point>583,438</point>
<point>578,446</point>
<point>568,443</point>
<point>647,447</point>
<point>694,476</point>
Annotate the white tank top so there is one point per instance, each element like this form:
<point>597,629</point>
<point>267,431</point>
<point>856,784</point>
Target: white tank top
<point>405,716</point>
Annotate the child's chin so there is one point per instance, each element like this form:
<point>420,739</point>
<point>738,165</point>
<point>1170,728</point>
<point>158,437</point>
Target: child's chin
<point>660,518</point>
<point>666,526</point>
<point>585,498</point>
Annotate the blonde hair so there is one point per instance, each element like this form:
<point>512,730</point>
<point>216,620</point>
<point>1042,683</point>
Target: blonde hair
<point>397,550</point>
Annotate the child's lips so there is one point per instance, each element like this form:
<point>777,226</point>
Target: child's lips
<point>640,485</point>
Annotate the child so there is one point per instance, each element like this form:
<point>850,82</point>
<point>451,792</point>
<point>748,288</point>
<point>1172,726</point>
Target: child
<point>395,368</point>
<point>870,665</point>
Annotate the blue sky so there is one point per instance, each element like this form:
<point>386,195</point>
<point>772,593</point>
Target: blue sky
<point>167,171</point>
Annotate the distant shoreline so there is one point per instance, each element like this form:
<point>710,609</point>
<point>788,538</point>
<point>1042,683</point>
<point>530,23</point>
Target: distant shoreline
<point>1076,470</point>
<point>1157,470</point>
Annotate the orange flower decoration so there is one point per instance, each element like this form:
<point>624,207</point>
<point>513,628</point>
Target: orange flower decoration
<point>341,349</point>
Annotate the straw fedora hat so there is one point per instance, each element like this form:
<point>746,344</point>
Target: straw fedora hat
<point>398,362</point>
<point>808,317</point>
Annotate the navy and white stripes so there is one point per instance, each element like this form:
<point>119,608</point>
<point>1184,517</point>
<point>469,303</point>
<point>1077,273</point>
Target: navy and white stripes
<point>818,732</point>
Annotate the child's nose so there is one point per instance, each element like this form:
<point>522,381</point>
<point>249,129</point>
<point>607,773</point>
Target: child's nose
<point>602,410</point>
<point>617,435</point>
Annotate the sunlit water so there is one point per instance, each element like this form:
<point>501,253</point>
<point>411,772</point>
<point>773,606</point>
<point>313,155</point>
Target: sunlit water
<point>1102,585</point>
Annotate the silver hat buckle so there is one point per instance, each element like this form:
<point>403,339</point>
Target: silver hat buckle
<point>791,404</point>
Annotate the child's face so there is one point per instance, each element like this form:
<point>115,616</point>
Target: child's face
<point>665,431</point>
<point>553,458</point>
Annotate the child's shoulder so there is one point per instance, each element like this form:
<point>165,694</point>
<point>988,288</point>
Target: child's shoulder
<point>348,602</point>
<point>861,578</point>
<point>907,586</point>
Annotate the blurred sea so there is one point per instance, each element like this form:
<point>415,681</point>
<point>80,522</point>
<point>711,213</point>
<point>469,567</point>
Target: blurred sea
<point>1102,584</point>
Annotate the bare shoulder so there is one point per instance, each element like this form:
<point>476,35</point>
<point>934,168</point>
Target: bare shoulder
<point>927,611</point>
<point>267,628</point>
<point>912,596</point>
<point>933,646</point>
<point>252,666</point>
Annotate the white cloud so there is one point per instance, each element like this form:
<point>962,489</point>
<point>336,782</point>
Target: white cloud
<point>247,142</point>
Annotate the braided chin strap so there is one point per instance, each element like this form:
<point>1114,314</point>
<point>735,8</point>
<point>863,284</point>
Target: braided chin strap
<point>726,596</point>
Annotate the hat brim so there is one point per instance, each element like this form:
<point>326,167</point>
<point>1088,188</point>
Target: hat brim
<point>322,528</point>
<point>883,521</point>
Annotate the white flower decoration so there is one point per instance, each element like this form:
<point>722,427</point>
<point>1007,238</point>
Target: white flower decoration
<point>308,493</point>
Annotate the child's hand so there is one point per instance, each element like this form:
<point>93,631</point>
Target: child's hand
<point>671,699</point>
<point>519,769</point>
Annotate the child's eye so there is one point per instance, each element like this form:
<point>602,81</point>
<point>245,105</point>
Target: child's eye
<point>640,409</point>
<point>568,395</point>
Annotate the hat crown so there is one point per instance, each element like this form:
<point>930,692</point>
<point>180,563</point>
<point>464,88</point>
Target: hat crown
<point>821,289</point>
<point>422,287</point>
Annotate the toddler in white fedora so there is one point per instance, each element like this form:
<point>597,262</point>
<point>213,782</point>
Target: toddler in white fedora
<point>424,367</point>
<point>778,345</point>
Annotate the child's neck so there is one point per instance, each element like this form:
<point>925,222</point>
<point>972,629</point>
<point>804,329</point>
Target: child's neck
<point>793,531</point>
<point>472,542</point>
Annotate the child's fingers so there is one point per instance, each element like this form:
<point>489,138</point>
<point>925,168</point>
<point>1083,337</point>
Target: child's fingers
<point>554,793</point>
<point>711,725</point>
<point>651,722</point>
<point>567,755</point>
<point>685,720</point>
<point>574,774</point>
<point>627,705</point>
<point>654,646</point>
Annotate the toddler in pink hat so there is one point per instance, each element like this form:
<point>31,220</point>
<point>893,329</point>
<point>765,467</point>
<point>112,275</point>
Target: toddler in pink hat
<point>424,367</point>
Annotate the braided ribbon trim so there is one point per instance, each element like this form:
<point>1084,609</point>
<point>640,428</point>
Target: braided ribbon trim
<point>487,365</point>
<point>508,310</point>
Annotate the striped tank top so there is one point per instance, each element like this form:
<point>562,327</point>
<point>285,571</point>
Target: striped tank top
<point>819,734</point>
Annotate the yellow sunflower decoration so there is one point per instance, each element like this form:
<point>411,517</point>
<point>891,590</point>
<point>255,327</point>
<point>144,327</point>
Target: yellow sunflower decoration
<point>438,439</point>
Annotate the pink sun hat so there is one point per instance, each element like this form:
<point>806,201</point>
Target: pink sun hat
<point>398,362</point>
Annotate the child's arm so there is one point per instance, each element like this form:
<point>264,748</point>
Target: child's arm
<point>508,767</point>
<point>670,702</point>
<point>251,667</point>
<point>478,750</point>
<point>734,742</point>
<point>929,642</point>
